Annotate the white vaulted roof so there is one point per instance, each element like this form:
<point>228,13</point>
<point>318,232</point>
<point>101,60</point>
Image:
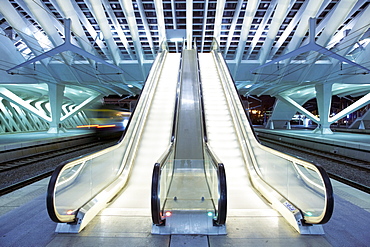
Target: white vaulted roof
<point>128,33</point>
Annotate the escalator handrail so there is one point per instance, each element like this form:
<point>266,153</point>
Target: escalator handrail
<point>156,211</point>
<point>222,200</point>
<point>329,202</point>
<point>222,187</point>
<point>50,198</point>
<point>157,216</point>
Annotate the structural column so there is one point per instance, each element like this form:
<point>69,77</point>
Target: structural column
<point>323,97</point>
<point>56,95</point>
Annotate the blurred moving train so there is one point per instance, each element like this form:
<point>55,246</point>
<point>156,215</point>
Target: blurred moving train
<point>107,122</point>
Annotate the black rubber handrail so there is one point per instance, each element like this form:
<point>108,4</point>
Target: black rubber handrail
<point>222,201</point>
<point>329,198</point>
<point>222,190</point>
<point>157,216</point>
<point>329,195</point>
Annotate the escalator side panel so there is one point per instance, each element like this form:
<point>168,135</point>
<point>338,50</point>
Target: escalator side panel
<point>155,138</point>
<point>153,123</point>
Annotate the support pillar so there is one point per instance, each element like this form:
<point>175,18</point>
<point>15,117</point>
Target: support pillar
<point>323,97</point>
<point>270,124</point>
<point>288,127</point>
<point>56,95</point>
<point>362,125</point>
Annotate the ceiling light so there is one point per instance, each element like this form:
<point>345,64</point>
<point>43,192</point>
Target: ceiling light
<point>176,39</point>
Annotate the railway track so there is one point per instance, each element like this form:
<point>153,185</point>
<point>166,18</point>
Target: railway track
<point>38,157</point>
<point>353,172</point>
<point>19,173</point>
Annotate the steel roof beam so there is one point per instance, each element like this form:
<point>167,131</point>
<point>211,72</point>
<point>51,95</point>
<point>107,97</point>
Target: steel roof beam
<point>204,26</point>
<point>66,46</point>
<point>309,9</point>
<point>44,19</point>
<point>19,24</point>
<point>312,46</point>
<point>220,7</point>
<point>282,9</point>
<point>118,29</point>
<point>189,23</point>
<point>90,29</point>
<point>297,19</point>
<point>128,10</point>
<point>359,26</point>
<point>99,13</point>
<point>69,12</point>
<point>146,25</point>
<point>249,14</point>
<point>337,18</point>
<point>338,36</point>
<point>173,9</point>
<point>232,26</point>
<point>158,4</point>
<point>261,28</point>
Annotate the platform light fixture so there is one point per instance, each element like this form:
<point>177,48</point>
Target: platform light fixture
<point>176,39</point>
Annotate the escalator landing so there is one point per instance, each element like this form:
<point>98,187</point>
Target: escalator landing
<point>131,227</point>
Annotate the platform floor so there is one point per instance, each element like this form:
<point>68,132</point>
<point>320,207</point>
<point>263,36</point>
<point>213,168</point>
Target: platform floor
<point>338,137</point>
<point>24,222</point>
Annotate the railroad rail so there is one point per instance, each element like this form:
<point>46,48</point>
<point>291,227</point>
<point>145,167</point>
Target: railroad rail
<point>37,157</point>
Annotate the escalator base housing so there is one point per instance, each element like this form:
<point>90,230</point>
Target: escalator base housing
<point>189,222</point>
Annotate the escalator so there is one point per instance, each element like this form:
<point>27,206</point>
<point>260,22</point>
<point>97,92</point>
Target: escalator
<point>299,190</point>
<point>190,123</point>
<point>189,184</point>
<point>223,139</point>
<point>79,189</point>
